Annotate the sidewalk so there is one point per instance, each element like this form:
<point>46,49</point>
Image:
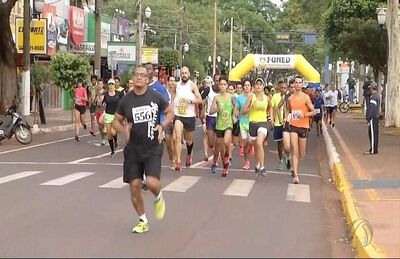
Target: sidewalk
<point>56,120</point>
<point>369,184</point>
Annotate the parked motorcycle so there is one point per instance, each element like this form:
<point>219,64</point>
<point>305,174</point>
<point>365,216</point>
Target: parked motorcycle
<point>13,124</point>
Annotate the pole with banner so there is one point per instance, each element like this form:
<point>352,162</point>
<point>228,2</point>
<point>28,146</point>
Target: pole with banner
<point>113,62</point>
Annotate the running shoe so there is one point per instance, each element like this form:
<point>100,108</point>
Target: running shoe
<point>241,152</point>
<point>225,172</point>
<point>103,142</point>
<point>188,161</point>
<point>205,158</point>
<point>92,133</point>
<point>140,227</point>
<point>333,124</point>
<point>226,161</point>
<point>77,138</point>
<point>280,165</point>
<point>159,207</point>
<point>292,174</point>
<point>256,170</point>
<point>178,166</point>
<point>230,161</point>
<point>296,180</point>
<point>288,163</point>
<point>246,165</point>
<point>213,169</point>
<point>173,165</point>
<point>112,154</point>
<point>262,172</point>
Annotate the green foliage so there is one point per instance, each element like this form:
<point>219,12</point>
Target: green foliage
<point>125,76</point>
<point>168,57</point>
<point>39,75</point>
<point>66,68</point>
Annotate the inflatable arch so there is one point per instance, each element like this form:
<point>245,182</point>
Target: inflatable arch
<point>297,62</point>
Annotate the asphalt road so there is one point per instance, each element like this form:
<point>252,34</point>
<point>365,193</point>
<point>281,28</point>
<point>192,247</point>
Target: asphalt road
<point>61,198</point>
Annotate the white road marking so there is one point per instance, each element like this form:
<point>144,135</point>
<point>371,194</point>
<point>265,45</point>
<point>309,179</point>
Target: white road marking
<point>202,162</point>
<point>115,184</point>
<point>298,192</point>
<point>68,178</point>
<point>92,157</point>
<point>182,184</point>
<point>39,145</point>
<point>239,187</point>
<point>17,176</point>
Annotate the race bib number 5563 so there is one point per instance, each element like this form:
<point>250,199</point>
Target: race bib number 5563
<point>142,114</point>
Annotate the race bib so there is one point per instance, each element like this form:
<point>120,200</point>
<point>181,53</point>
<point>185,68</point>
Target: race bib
<point>182,108</point>
<point>296,115</point>
<point>318,111</point>
<point>142,114</point>
<point>225,118</point>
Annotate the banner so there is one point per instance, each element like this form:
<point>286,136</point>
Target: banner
<point>150,55</point>
<point>38,36</point>
<point>125,52</point>
<point>50,13</point>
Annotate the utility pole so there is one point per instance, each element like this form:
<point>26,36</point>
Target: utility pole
<point>241,43</point>
<point>215,37</point>
<point>230,47</point>
<point>26,76</point>
<point>138,32</point>
<point>181,36</point>
<point>97,50</point>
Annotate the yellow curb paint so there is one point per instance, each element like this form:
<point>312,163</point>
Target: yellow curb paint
<point>372,194</point>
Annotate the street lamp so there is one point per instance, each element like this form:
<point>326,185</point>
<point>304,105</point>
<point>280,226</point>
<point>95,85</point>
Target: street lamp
<point>219,59</point>
<point>233,63</point>
<point>381,16</point>
<point>186,47</point>
<point>147,12</point>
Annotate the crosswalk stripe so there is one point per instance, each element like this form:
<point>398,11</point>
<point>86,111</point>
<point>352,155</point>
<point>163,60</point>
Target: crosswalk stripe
<point>182,184</point>
<point>298,192</point>
<point>68,178</point>
<point>17,176</point>
<point>239,187</point>
<point>116,183</point>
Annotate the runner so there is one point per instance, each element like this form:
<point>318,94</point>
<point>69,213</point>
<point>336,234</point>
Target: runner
<point>236,129</point>
<point>278,121</point>
<point>318,105</point>
<point>258,105</point>
<point>169,138</point>
<point>286,127</point>
<point>211,121</point>
<point>143,152</point>
<point>224,105</point>
<point>301,109</point>
<point>187,96</point>
<point>244,122</point>
<point>111,99</point>
<point>204,91</point>
<point>92,103</point>
<point>239,91</point>
<point>100,110</point>
<point>80,99</point>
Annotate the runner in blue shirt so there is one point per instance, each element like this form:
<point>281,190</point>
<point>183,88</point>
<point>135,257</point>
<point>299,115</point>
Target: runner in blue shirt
<point>318,105</point>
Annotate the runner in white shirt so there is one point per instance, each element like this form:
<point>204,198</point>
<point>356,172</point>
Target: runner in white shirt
<point>326,96</point>
<point>187,96</point>
<point>333,105</point>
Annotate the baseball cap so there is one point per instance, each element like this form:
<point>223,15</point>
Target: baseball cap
<point>111,81</point>
<point>208,79</point>
<point>259,79</point>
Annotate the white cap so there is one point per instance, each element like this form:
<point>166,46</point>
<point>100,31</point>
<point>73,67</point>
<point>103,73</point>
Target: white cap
<point>208,79</point>
<point>111,81</point>
<point>259,79</point>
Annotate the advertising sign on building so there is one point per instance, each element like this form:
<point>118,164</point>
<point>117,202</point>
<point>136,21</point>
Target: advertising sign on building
<point>149,55</point>
<point>76,26</point>
<point>38,36</point>
<point>125,53</point>
<point>50,13</point>
<point>275,61</point>
<point>105,35</point>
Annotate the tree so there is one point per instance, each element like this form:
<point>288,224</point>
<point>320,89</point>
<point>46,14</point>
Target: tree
<point>39,77</point>
<point>168,57</point>
<point>66,68</point>
<point>393,87</point>
<point>8,57</point>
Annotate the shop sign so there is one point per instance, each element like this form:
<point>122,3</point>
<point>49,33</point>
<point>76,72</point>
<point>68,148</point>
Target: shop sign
<point>38,36</point>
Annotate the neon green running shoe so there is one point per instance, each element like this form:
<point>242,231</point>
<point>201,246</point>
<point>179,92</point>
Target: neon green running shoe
<point>140,227</point>
<point>159,208</point>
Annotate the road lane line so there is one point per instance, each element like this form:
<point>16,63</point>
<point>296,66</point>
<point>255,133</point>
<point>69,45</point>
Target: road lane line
<point>182,184</point>
<point>17,176</point>
<point>202,162</point>
<point>39,145</point>
<point>298,192</point>
<point>114,184</point>
<point>239,187</point>
<point>92,157</point>
<point>68,178</point>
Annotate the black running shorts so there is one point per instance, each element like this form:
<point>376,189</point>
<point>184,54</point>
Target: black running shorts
<point>80,108</point>
<point>134,165</point>
<point>301,132</point>
<point>189,123</point>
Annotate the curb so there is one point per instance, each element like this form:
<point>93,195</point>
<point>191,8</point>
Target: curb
<point>37,130</point>
<point>360,231</point>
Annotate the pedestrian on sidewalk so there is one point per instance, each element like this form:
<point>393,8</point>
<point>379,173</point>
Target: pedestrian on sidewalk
<point>372,117</point>
<point>80,99</point>
<point>143,152</point>
<point>92,103</point>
